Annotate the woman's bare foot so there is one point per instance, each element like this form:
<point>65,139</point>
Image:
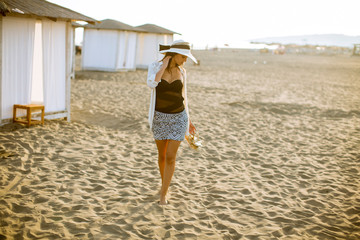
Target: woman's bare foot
<point>166,202</point>
<point>163,198</point>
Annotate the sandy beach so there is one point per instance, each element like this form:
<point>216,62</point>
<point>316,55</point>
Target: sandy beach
<point>280,156</point>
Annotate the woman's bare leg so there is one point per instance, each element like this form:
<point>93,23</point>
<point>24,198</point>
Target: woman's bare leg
<point>161,146</point>
<point>171,150</point>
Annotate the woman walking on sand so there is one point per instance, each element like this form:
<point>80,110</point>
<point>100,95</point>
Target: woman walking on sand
<point>168,113</point>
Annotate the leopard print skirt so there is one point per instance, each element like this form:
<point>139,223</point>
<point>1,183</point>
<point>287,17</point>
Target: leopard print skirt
<point>170,125</point>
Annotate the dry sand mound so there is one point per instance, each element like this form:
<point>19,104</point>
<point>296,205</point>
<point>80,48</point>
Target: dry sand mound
<point>280,157</point>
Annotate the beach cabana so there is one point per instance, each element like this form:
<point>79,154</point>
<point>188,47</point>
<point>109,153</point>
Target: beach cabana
<point>109,46</point>
<point>36,56</point>
<point>149,38</point>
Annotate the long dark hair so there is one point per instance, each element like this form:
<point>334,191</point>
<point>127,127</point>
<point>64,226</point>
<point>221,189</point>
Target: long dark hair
<point>171,54</point>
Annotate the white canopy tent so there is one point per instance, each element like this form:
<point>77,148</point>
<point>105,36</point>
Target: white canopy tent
<point>36,56</point>
<point>149,38</point>
<point>109,46</point>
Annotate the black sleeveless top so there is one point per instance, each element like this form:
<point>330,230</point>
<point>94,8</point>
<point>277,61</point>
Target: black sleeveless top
<point>169,97</point>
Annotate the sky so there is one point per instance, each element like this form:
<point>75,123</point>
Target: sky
<point>217,22</point>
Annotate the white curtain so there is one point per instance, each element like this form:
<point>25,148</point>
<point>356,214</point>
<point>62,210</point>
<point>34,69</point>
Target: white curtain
<point>140,49</point>
<point>151,48</point>
<point>169,39</point>
<point>99,50</point>
<point>54,59</point>
<point>131,51</point>
<point>71,62</point>
<point>37,88</point>
<point>17,62</point>
<point>122,44</point>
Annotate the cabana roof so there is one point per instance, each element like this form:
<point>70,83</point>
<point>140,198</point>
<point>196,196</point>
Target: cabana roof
<point>111,24</point>
<point>152,28</point>
<point>40,8</point>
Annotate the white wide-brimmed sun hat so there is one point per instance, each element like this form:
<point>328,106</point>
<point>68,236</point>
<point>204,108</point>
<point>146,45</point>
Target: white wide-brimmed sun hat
<point>178,46</point>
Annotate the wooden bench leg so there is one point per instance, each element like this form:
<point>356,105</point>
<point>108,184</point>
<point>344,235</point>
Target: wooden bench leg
<point>14,114</point>
<point>28,116</point>
<point>42,115</point>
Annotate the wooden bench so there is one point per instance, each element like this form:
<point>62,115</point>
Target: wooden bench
<point>29,109</point>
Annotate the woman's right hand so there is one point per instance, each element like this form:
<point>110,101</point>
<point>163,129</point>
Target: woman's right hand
<point>159,74</point>
<point>166,61</point>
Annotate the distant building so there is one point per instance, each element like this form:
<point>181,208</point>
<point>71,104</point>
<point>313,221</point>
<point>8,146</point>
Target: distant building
<point>149,38</point>
<point>36,56</point>
<point>109,45</point>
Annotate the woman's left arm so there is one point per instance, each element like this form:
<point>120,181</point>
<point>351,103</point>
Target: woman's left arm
<point>192,128</point>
